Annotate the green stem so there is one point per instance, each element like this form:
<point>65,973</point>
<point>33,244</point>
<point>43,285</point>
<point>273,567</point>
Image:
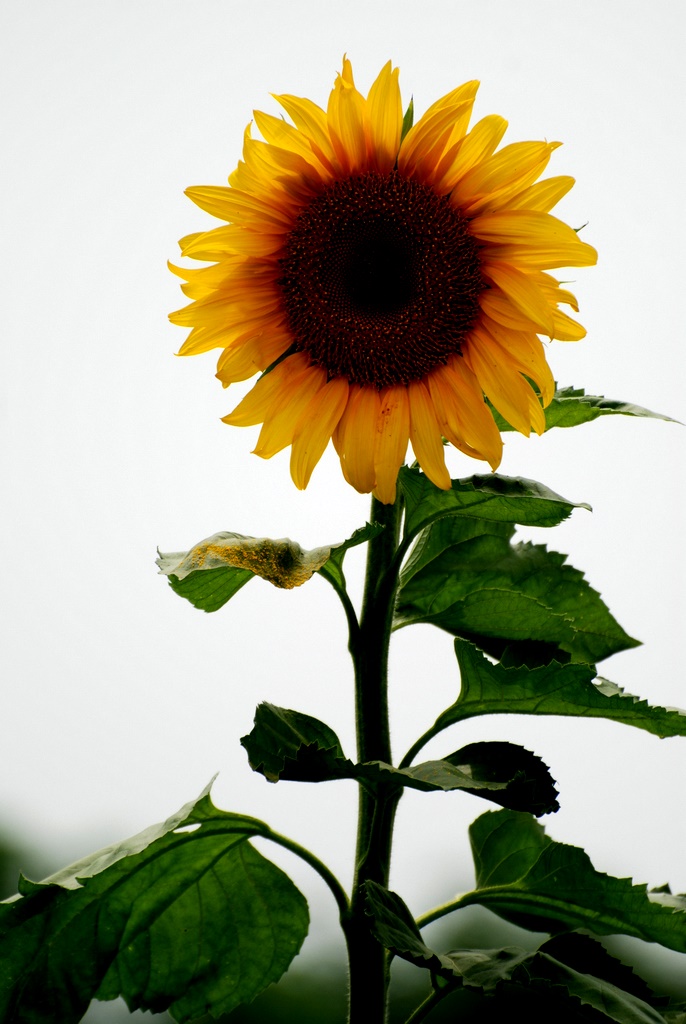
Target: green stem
<point>337,890</point>
<point>438,912</point>
<point>265,832</point>
<point>425,1008</point>
<point>417,746</point>
<point>369,649</point>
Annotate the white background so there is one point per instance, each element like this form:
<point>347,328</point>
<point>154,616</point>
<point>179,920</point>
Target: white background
<point>120,700</point>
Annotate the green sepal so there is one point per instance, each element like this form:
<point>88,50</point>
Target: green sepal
<point>572,406</point>
<point>408,119</point>
<point>186,916</point>
<point>525,877</point>
<point>497,499</point>
<point>554,689</point>
<point>520,601</point>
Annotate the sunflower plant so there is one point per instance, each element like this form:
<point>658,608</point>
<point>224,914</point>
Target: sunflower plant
<point>389,282</point>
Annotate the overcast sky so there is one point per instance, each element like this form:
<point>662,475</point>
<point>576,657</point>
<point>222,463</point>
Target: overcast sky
<point>120,700</point>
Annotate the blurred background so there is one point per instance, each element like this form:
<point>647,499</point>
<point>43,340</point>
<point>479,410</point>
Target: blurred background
<point>120,701</point>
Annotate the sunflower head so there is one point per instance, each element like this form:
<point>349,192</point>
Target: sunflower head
<point>383,281</point>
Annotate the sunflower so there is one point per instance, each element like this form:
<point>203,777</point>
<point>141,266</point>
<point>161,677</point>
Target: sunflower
<point>384,279</point>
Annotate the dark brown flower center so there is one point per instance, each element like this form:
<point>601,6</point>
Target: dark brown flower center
<point>381,279</point>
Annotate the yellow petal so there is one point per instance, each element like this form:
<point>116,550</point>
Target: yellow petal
<point>481,141</point>
<point>255,406</point>
<point>565,328</point>
<point>358,428</point>
<point>524,294</point>
<point>532,239</point>
<point>385,112</point>
<point>232,204</point>
<point>502,383</point>
<point>489,185</point>
<point>279,428</point>
<point>313,432</point>
<point>311,120</point>
<point>346,121</point>
<point>543,195</point>
<point>523,351</point>
<point>248,354</point>
<point>220,242</point>
<point>497,305</point>
<point>392,437</point>
<point>425,435</point>
<point>463,415</point>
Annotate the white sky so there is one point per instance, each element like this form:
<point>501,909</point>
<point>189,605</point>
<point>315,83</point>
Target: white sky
<point>121,700</point>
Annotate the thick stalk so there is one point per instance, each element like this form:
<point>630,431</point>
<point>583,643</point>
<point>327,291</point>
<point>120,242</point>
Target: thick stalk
<point>368,967</point>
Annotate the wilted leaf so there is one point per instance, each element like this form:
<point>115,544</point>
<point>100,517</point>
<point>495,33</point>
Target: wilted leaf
<point>281,562</point>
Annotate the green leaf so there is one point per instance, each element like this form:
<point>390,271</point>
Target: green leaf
<point>211,589</point>
<point>286,744</point>
<point>518,601</point>
<point>488,689</point>
<point>186,916</point>
<point>394,927</point>
<point>525,877</point>
<point>529,786</point>
<point>576,968</point>
<point>572,406</point>
<point>500,499</point>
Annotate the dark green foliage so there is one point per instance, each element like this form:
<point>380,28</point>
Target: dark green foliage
<point>530,786</point>
<point>515,601</point>
<point>572,969</point>
<point>210,589</point>
<point>288,745</point>
<point>495,499</point>
<point>193,921</point>
<point>527,878</point>
<point>488,689</point>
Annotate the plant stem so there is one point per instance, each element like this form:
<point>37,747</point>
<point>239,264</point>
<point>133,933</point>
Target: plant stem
<point>367,958</point>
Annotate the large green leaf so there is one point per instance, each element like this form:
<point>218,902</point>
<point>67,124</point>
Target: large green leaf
<point>186,916</point>
<point>574,967</point>
<point>572,406</point>
<point>488,689</point>
<point>499,499</point>
<point>518,600</point>
<point>527,878</point>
